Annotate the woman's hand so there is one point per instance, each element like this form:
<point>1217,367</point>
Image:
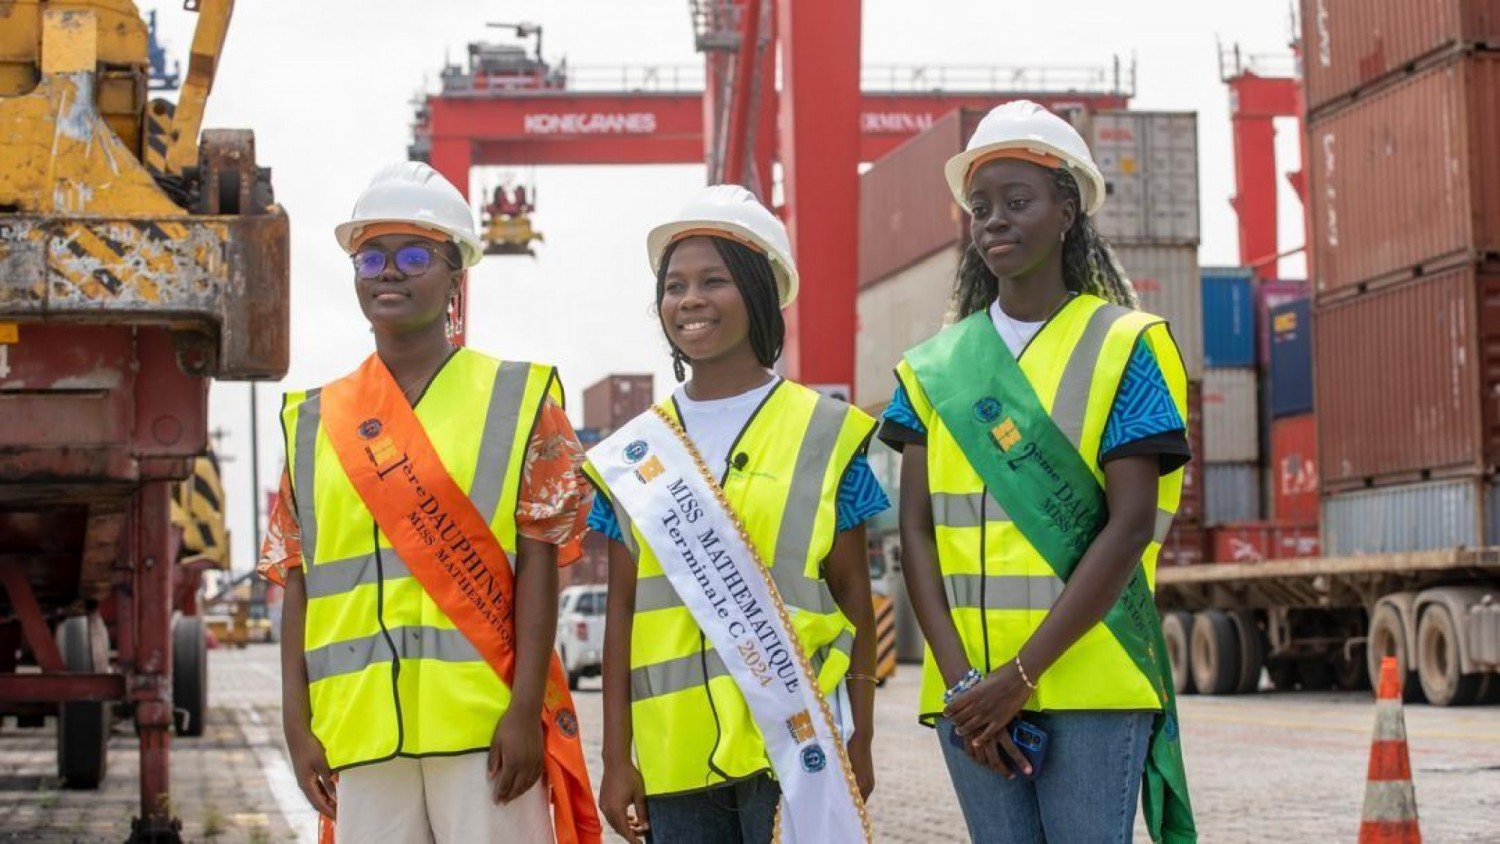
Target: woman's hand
<point>315,778</point>
<point>515,762</point>
<point>622,798</point>
<point>862,759</point>
<point>983,714</point>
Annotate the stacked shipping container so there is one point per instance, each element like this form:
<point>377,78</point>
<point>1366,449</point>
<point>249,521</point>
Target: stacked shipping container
<point>1231,437</point>
<point>1150,164</point>
<point>1404,110</point>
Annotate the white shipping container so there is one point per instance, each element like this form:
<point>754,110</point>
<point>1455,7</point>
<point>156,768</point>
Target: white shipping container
<point>1231,425</point>
<point>1150,165</point>
<point>895,314</point>
<point>1409,517</point>
<point>1232,493</point>
<point>1167,280</point>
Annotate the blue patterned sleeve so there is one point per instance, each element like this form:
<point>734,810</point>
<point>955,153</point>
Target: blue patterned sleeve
<point>860,495</point>
<point>899,424</point>
<point>1144,418</point>
<point>602,518</point>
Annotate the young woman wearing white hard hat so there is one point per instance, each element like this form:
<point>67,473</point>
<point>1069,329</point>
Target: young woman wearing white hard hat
<point>1044,442</point>
<point>740,643</point>
<point>428,499</point>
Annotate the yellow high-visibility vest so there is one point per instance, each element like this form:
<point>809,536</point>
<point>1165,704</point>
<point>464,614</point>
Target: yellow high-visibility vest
<point>999,588</point>
<point>691,726</point>
<point>389,674</point>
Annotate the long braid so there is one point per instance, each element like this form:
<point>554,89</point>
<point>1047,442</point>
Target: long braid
<point>1088,262</point>
<point>756,281</point>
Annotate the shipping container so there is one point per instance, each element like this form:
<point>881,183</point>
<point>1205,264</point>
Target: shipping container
<point>1411,517</point>
<point>1269,294</point>
<point>1294,469</point>
<point>1231,493</point>
<point>1408,181</point>
<point>1167,280</point>
<point>1350,44</point>
<point>1291,370</point>
<point>896,314</point>
<point>616,399</point>
<point>1256,542</point>
<point>1231,424</point>
<point>1228,317</point>
<point>1191,505</point>
<point>1186,544</point>
<point>1150,164</point>
<point>1406,383</point>
<point>906,211</point>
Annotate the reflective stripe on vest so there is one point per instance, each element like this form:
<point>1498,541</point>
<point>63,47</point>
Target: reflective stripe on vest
<point>693,727</point>
<point>693,670</point>
<point>365,608</point>
<point>999,598</point>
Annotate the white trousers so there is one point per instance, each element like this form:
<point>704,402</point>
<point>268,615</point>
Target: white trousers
<point>436,800</point>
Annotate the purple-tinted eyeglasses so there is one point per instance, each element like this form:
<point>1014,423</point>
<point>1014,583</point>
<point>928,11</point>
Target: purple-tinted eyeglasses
<point>411,260</point>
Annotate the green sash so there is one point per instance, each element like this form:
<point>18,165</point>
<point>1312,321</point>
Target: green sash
<point>1054,500</point>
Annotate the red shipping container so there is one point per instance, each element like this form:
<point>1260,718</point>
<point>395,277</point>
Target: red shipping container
<point>616,399</point>
<point>1185,544</point>
<point>1408,179</point>
<point>1347,44</point>
<point>1406,387</point>
<point>1256,542</point>
<point>1294,469</point>
<point>1192,504</point>
<point>905,209</point>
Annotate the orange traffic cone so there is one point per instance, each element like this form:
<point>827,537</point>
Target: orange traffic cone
<point>1390,815</point>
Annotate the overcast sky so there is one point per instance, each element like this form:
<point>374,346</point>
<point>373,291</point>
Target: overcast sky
<point>326,86</point>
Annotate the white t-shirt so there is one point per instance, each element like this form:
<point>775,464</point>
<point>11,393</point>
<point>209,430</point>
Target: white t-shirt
<point>1014,332</point>
<point>715,424</point>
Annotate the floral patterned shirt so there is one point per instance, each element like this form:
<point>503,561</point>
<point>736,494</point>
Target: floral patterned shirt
<point>553,505</point>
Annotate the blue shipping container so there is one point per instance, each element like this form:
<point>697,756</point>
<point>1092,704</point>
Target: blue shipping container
<point>1291,359</point>
<point>1228,317</point>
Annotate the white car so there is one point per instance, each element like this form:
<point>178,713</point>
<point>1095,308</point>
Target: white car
<point>580,631</point>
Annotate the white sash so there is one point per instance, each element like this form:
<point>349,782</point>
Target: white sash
<point>656,476</point>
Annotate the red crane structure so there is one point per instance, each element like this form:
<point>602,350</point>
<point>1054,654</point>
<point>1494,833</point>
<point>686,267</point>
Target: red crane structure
<point>1261,89</point>
<point>828,114</point>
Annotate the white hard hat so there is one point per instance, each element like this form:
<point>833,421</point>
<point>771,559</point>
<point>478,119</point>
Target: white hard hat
<point>413,193</point>
<point>733,212</point>
<point>1025,127</point>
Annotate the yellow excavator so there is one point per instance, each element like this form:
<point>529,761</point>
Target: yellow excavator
<point>141,258</point>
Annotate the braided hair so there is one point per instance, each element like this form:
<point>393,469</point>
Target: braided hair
<point>756,281</point>
<point>1089,264</point>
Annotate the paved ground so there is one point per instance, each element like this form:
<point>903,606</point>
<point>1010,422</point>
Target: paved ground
<point>1287,767</point>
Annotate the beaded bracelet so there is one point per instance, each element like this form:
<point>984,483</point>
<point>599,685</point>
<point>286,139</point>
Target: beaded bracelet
<point>969,681</point>
<point>1025,679</point>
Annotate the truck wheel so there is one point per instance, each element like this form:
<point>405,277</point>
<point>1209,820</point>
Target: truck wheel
<point>1437,661</point>
<point>83,726</point>
<point>1215,653</point>
<point>1387,637</point>
<point>1176,629</point>
<point>1252,650</point>
<point>189,675</point>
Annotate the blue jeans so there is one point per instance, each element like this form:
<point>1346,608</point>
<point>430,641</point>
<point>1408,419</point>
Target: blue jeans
<point>734,813</point>
<point>1087,791</point>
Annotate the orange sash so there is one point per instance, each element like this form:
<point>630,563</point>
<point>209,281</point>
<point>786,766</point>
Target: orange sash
<point>452,552</point>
